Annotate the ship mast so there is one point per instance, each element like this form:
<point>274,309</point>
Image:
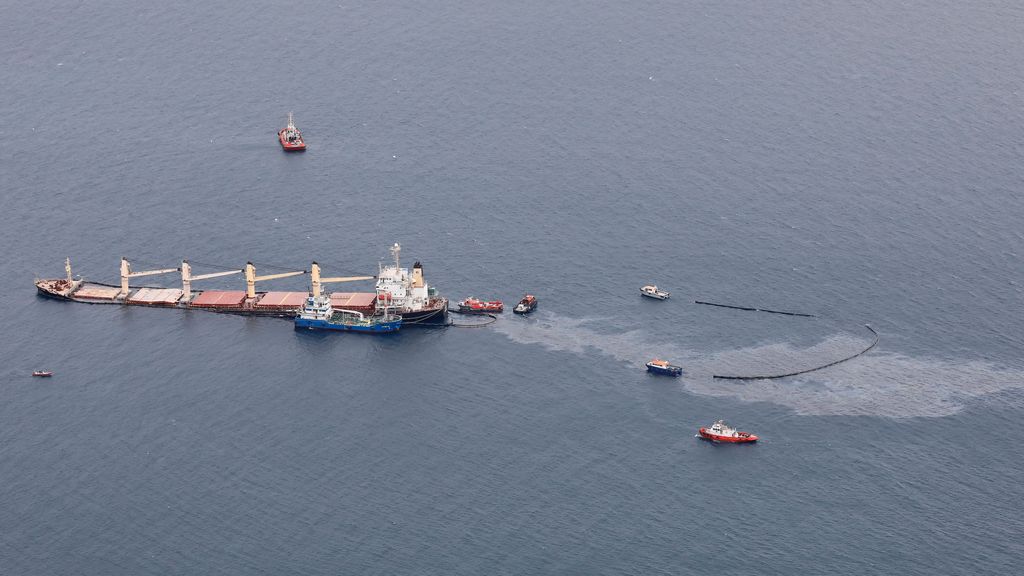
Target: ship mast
<point>395,251</point>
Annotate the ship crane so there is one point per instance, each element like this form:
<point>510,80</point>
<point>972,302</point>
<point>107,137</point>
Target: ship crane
<point>318,281</point>
<point>251,279</point>
<point>187,278</point>
<point>126,273</point>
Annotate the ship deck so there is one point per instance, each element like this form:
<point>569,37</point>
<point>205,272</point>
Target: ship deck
<point>353,300</point>
<point>281,300</point>
<point>218,299</point>
<point>155,297</point>
<point>215,300</point>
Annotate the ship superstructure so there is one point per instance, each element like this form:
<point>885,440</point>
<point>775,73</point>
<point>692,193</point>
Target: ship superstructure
<point>291,137</point>
<point>408,294</point>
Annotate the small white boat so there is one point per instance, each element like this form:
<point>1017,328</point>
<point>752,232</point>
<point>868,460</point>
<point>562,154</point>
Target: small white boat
<point>651,291</point>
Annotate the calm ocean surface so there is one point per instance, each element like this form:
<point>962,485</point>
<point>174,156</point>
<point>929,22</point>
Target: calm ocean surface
<point>861,161</point>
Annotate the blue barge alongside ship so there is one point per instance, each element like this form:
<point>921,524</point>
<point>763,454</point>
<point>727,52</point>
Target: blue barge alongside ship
<point>317,314</point>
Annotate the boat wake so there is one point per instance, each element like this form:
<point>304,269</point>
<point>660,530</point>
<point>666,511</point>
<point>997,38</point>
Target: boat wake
<point>876,384</point>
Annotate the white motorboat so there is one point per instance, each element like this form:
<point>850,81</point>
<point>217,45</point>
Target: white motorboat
<point>651,291</point>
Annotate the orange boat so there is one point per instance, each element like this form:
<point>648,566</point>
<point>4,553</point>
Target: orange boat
<point>721,432</point>
<point>291,137</point>
<point>474,306</point>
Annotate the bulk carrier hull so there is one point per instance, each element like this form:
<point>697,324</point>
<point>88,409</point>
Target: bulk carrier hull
<point>272,304</point>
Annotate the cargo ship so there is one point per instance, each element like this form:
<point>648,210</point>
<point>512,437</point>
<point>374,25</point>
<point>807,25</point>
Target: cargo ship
<point>291,137</point>
<point>397,292</point>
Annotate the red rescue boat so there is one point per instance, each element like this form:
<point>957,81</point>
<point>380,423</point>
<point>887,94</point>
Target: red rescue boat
<point>474,306</point>
<point>721,432</point>
<point>291,137</point>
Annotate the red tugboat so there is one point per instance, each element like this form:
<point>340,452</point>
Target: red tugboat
<point>291,137</point>
<point>474,306</point>
<point>721,432</point>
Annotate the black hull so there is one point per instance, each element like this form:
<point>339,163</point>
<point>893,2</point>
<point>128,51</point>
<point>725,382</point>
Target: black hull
<point>426,318</point>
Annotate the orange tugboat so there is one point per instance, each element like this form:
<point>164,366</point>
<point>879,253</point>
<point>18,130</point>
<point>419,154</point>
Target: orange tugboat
<point>721,432</point>
<point>474,306</point>
<point>291,137</point>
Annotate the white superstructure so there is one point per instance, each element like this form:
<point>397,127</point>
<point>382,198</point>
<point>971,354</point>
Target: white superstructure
<point>317,308</point>
<point>400,289</point>
<point>652,291</point>
<point>291,133</point>
<point>720,428</point>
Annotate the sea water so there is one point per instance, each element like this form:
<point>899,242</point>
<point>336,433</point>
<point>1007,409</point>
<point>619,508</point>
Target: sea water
<point>860,162</point>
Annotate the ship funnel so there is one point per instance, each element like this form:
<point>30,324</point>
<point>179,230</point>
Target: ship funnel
<point>417,275</point>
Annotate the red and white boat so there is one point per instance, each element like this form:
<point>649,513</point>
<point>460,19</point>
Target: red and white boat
<point>722,432</point>
<point>474,306</point>
<point>291,137</point>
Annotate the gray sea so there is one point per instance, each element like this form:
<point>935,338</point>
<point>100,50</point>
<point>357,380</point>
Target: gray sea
<point>860,161</point>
